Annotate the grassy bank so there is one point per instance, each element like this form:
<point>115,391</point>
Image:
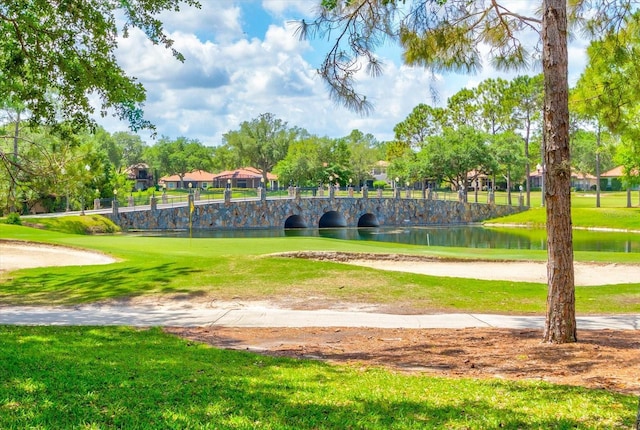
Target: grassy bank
<point>109,377</point>
<point>612,213</point>
<point>91,224</point>
<point>625,219</point>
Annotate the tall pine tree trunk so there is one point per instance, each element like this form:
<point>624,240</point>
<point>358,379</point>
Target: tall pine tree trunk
<point>560,325</point>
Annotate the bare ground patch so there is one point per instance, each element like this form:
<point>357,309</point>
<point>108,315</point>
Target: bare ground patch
<point>602,359</point>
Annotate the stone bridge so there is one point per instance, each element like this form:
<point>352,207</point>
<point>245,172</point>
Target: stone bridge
<point>312,212</point>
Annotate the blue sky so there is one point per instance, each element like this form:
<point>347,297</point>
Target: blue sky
<point>242,59</point>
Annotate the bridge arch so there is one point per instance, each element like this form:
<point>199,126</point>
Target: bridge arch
<point>332,219</point>
<point>368,220</point>
<point>295,221</point>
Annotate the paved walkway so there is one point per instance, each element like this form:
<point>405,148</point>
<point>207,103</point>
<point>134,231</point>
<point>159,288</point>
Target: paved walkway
<point>252,315</point>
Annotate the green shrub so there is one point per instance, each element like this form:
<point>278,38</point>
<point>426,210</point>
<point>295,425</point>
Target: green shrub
<point>616,184</point>
<point>14,218</point>
<point>604,183</point>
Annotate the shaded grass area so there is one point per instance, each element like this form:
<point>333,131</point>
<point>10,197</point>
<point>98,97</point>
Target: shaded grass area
<point>238,268</point>
<point>115,377</point>
<point>82,284</point>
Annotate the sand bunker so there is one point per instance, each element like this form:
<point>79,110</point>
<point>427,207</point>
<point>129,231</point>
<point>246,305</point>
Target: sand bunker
<point>24,255</point>
<point>586,274</point>
<point>529,271</point>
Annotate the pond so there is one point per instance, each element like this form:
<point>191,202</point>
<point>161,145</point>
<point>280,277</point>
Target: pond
<point>458,236</point>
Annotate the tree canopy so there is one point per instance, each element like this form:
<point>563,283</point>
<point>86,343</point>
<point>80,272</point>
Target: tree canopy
<point>261,142</point>
<point>55,174</point>
<point>55,57</point>
<point>456,153</point>
<point>179,156</point>
<point>422,122</point>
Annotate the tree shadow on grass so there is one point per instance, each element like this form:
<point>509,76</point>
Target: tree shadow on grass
<point>124,378</point>
<point>57,286</point>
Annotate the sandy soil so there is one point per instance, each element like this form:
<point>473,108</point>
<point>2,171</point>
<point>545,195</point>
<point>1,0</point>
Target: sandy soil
<point>530,271</point>
<point>23,255</point>
<point>602,359</point>
<point>586,274</point>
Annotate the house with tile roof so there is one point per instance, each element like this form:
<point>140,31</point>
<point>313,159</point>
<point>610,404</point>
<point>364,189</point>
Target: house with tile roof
<point>197,179</point>
<point>247,177</point>
<point>579,180</point>
<point>613,179</point>
<point>141,176</point>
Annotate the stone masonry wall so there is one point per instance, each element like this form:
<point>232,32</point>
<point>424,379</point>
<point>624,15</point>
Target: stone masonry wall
<point>262,214</point>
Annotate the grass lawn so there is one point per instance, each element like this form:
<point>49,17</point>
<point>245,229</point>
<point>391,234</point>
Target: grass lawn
<point>120,377</point>
<point>117,377</point>
<point>612,213</point>
<point>587,199</point>
<point>612,218</point>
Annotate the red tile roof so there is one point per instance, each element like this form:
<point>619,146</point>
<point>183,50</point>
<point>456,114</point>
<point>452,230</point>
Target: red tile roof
<point>616,172</point>
<point>195,176</point>
<point>244,173</point>
<point>203,176</point>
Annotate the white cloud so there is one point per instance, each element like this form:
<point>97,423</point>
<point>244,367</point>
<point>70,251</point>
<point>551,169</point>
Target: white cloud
<point>279,7</point>
<point>229,77</point>
<point>279,39</point>
<point>238,79</point>
<point>216,21</point>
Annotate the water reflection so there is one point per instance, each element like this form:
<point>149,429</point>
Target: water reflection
<point>463,236</point>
